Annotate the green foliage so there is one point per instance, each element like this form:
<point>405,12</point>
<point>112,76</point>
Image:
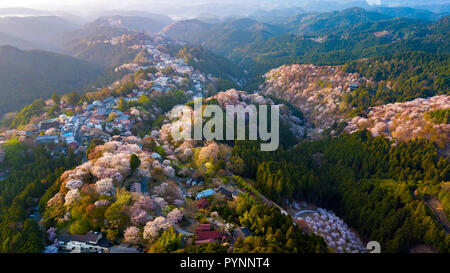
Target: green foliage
<point>167,101</point>
<point>125,88</point>
<point>272,231</point>
<point>26,183</point>
<point>207,62</point>
<point>168,242</point>
<point>135,162</point>
<point>441,116</point>
<point>73,98</point>
<point>104,54</point>
<point>25,115</point>
<point>14,152</point>
<point>365,180</point>
<point>409,76</point>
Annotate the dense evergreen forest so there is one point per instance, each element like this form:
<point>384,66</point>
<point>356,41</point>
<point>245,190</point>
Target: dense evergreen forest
<point>400,77</point>
<point>374,185</point>
<point>31,172</point>
<point>345,45</point>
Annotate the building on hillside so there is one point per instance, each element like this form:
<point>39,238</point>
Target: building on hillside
<point>228,194</point>
<point>90,242</point>
<point>47,139</point>
<point>203,204</point>
<point>126,248</point>
<point>204,234</point>
<point>205,193</point>
<point>353,86</point>
<point>236,193</point>
<point>45,125</point>
<point>242,233</point>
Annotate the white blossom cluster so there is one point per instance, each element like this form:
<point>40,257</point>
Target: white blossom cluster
<point>71,196</point>
<point>235,97</point>
<point>405,121</point>
<point>74,184</point>
<point>170,192</point>
<point>316,90</point>
<point>336,233</point>
<point>108,170</point>
<point>132,235</point>
<point>152,228</point>
<point>175,216</point>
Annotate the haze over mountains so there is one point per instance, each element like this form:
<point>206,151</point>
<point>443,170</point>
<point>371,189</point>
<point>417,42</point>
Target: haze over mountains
<point>258,41</point>
<point>29,75</point>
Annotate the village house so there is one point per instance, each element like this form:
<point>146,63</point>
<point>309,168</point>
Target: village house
<point>45,125</point>
<point>205,193</point>
<point>91,242</point>
<point>228,194</point>
<point>47,139</point>
<point>126,248</point>
<point>241,232</point>
<point>204,234</point>
<point>203,203</point>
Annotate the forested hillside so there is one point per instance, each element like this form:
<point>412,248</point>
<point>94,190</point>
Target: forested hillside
<point>400,77</point>
<point>216,65</point>
<point>28,75</point>
<point>377,187</point>
<point>376,39</point>
<point>32,172</point>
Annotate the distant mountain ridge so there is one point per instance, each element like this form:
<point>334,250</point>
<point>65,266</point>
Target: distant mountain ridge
<point>43,30</point>
<point>28,75</point>
<point>6,39</point>
<point>137,23</point>
<point>224,36</point>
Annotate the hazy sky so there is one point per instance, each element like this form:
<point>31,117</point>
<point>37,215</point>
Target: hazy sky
<point>149,4</point>
<point>57,4</point>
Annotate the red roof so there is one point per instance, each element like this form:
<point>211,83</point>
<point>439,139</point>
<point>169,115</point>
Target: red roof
<point>199,242</point>
<point>206,235</point>
<point>203,204</point>
<point>203,227</point>
<point>73,145</point>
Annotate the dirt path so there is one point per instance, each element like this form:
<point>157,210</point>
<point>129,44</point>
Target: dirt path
<point>436,206</point>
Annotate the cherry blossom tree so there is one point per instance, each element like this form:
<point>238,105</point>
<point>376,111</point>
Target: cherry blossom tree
<point>71,196</point>
<point>175,216</point>
<point>105,187</point>
<point>138,216</point>
<point>74,184</point>
<point>152,228</point>
<point>131,235</point>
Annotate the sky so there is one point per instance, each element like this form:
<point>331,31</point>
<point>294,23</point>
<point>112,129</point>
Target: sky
<point>86,5</point>
<point>66,4</point>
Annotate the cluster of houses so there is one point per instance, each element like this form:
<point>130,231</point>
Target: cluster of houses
<point>94,242</point>
<point>97,115</point>
<point>77,130</point>
<point>102,118</point>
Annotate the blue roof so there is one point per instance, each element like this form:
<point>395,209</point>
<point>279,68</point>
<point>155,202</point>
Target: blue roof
<point>246,231</point>
<point>156,155</point>
<point>205,193</point>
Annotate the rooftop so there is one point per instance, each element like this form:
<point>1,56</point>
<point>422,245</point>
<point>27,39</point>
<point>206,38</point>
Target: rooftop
<point>91,237</point>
